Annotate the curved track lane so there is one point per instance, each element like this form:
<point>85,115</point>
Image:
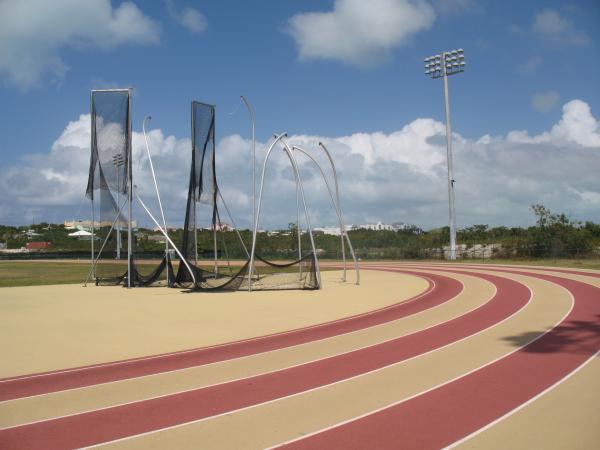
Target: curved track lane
<point>461,407</point>
<point>458,408</point>
<point>141,417</point>
<point>441,289</point>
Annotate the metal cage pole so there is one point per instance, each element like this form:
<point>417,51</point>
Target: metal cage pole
<point>338,212</point>
<point>215,218</point>
<point>290,154</point>
<point>253,120</point>
<point>93,268</point>
<point>93,236</point>
<point>162,213</point>
<point>254,232</point>
<point>298,230</point>
<point>339,207</point>
<point>130,193</point>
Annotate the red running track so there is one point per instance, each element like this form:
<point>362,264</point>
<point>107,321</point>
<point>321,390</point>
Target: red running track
<point>441,289</point>
<point>449,413</point>
<point>140,417</point>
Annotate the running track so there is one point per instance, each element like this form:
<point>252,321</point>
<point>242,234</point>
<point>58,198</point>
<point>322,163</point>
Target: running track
<point>458,407</point>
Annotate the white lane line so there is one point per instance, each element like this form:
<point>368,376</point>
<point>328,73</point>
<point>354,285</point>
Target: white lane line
<point>410,300</point>
<point>316,388</point>
<point>210,347</point>
<point>520,407</point>
<point>241,378</point>
<point>391,405</point>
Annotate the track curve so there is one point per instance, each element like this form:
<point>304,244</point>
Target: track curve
<point>484,388</point>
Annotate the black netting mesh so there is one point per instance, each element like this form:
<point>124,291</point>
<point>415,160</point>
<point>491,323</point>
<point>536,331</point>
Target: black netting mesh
<point>108,187</point>
<point>203,189</point>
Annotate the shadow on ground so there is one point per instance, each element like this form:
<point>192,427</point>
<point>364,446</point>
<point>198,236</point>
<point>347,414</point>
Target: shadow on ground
<point>576,336</point>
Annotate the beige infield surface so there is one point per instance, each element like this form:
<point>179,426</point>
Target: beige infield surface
<point>53,327</point>
<point>57,327</point>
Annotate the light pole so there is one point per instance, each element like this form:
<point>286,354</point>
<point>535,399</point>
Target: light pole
<point>441,66</point>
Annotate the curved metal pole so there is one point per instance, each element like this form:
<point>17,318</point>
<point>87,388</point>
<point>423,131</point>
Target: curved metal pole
<point>162,213</point>
<point>182,259</point>
<point>252,118</point>
<point>290,153</point>
<point>333,203</point>
<point>262,183</point>
<point>337,194</point>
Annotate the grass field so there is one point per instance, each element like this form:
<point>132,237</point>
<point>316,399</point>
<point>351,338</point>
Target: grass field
<point>35,273</point>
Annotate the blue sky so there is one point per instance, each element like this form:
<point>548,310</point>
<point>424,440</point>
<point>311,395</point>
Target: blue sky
<point>325,69</point>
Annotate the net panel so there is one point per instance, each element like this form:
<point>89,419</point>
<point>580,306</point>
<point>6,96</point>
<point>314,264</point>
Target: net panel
<point>202,185</point>
<point>203,190</point>
<point>108,187</point>
<point>107,180</point>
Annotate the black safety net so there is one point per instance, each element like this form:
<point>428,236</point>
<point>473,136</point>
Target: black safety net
<point>207,251</point>
<point>108,189</point>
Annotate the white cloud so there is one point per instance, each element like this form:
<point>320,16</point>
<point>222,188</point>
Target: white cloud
<point>358,32</point>
<point>399,176</point>
<point>531,65</point>
<point>190,18</point>
<point>33,32</point>
<point>545,101</point>
<point>550,26</point>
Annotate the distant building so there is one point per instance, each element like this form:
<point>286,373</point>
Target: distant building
<point>379,226</point>
<point>87,224</point>
<point>332,231</point>
<point>82,235</point>
<point>158,238</point>
<point>30,233</point>
<point>221,227</point>
<point>38,245</point>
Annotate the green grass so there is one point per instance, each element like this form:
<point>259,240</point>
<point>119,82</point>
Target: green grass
<point>36,273</point>
<point>33,273</point>
<point>593,263</point>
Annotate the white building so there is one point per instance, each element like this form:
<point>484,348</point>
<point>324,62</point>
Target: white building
<point>333,231</point>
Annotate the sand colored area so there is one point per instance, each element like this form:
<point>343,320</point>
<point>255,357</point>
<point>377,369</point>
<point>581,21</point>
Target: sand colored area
<point>295,416</point>
<point>476,292</point>
<point>565,417</point>
<point>46,328</point>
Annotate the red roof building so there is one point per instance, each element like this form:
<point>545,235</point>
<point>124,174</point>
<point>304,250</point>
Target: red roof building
<point>38,245</point>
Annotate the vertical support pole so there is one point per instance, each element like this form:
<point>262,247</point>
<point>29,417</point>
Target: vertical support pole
<point>130,191</point>
<point>215,256</point>
<point>451,212</point>
<point>119,219</point>
<point>195,236</point>
<point>162,213</point>
<point>93,236</point>
<point>215,188</point>
<point>92,135</point>
<point>298,230</point>
<point>252,118</point>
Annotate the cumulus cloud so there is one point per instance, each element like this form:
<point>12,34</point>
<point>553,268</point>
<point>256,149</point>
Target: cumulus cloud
<point>358,32</point>
<point>545,101</point>
<point>33,33</point>
<point>189,18</point>
<point>551,26</point>
<point>400,176</point>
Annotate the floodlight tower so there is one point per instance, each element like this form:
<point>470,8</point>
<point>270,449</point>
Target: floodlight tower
<point>442,66</point>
